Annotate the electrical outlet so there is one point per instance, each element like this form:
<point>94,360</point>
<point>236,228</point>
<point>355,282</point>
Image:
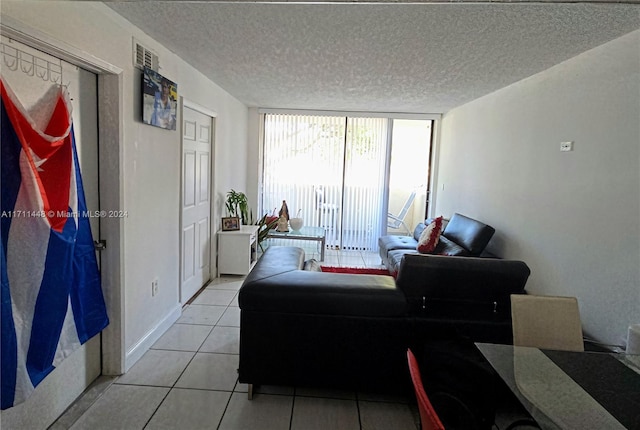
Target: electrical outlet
<point>154,287</point>
<point>566,146</point>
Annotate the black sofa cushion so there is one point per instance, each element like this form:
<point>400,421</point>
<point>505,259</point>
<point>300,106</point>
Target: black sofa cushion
<point>417,232</point>
<point>309,292</point>
<point>448,247</point>
<point>468,233</point>
<point>462,236</point>
<point>392,242</point>
<point>462,287</point>
<point>277,284</point>
<point>444,247</point>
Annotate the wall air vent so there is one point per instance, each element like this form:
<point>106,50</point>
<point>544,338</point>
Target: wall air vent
<point>144,57</point>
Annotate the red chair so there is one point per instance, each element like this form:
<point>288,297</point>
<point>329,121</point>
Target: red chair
<point>428,418</point>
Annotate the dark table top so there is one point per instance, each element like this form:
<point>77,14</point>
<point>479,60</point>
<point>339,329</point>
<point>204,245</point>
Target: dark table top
<point>571,390</point>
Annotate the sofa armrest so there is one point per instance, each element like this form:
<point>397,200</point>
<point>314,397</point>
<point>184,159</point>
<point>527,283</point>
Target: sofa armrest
<point>467,287</point>
<point>466,278</point>
<point>275,260</point>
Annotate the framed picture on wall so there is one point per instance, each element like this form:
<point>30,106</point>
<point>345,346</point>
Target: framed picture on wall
<point>159,100</point>
<point>230,223</point>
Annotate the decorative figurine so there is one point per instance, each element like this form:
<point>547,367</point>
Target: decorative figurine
<point>284,210</point>
<point>283,224</point>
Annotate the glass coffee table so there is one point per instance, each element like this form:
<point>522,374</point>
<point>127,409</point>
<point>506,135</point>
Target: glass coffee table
<point>305,233</point>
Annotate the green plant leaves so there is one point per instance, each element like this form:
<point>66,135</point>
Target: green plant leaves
<point>237,205</point>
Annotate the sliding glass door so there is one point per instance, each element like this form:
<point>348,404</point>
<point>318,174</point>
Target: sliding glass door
<point>331,171</point>
<point>363,183</point>
<point>409,172</point>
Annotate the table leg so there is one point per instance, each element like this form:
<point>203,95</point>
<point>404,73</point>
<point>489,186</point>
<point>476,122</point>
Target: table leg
<point>322,249</point>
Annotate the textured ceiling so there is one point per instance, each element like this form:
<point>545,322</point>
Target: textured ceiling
<point>426,58</point>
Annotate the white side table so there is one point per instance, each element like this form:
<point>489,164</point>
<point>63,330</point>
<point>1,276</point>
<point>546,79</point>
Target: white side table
<point>237,250</point>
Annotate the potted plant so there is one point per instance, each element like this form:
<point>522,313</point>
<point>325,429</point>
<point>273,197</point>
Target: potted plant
<point>265,224</point>
<point>237,205</point>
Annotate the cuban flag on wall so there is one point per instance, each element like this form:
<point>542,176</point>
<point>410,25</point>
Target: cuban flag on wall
<point>51,294</point>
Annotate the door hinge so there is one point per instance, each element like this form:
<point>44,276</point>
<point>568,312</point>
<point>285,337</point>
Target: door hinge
<point>100,245</point>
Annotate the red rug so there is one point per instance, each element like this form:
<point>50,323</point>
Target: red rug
<point>355,270</point>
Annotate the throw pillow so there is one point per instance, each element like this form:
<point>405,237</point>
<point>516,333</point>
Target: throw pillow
<point>430,236</point>
<point>312,265</point>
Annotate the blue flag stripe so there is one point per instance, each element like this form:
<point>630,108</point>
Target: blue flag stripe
<point>9,162</point>
<point>9,358</point>
<point>86,295</point>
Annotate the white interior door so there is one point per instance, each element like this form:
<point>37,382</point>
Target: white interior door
<point>29,84</point>
<point>196,203</point>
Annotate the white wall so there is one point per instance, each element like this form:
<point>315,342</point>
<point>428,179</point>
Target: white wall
<point>254,158</point>
<point>573,217</point>
<point>150,171</point>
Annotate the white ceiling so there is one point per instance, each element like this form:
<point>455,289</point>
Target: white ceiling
<point>425,58</point>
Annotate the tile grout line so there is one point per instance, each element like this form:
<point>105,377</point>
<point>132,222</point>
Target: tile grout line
<point>174,383</point>
<point>233,391</point>
<point>173,386</point>
<point>358,409</point>
<point>226,406</point>
<point>293,404</point>
<point>115,379</point>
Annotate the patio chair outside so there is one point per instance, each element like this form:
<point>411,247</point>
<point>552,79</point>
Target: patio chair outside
<point>395,221</point>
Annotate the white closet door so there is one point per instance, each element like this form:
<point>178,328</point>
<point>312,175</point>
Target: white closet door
<point>196,203</point>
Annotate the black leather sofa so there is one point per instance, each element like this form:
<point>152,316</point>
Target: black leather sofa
<point>462,236</point>
<point>461,297</point>
<point>307,328</point>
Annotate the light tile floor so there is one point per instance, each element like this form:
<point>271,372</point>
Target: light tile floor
<point>188,380</point>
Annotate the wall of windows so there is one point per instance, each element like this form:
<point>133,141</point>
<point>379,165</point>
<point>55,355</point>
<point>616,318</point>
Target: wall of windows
<point>334,172</point>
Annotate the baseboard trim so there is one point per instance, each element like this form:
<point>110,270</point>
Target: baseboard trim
<point>138,350</point>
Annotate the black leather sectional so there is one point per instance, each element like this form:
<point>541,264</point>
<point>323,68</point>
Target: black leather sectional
<point>308,328</point>
<point>461,237</point>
